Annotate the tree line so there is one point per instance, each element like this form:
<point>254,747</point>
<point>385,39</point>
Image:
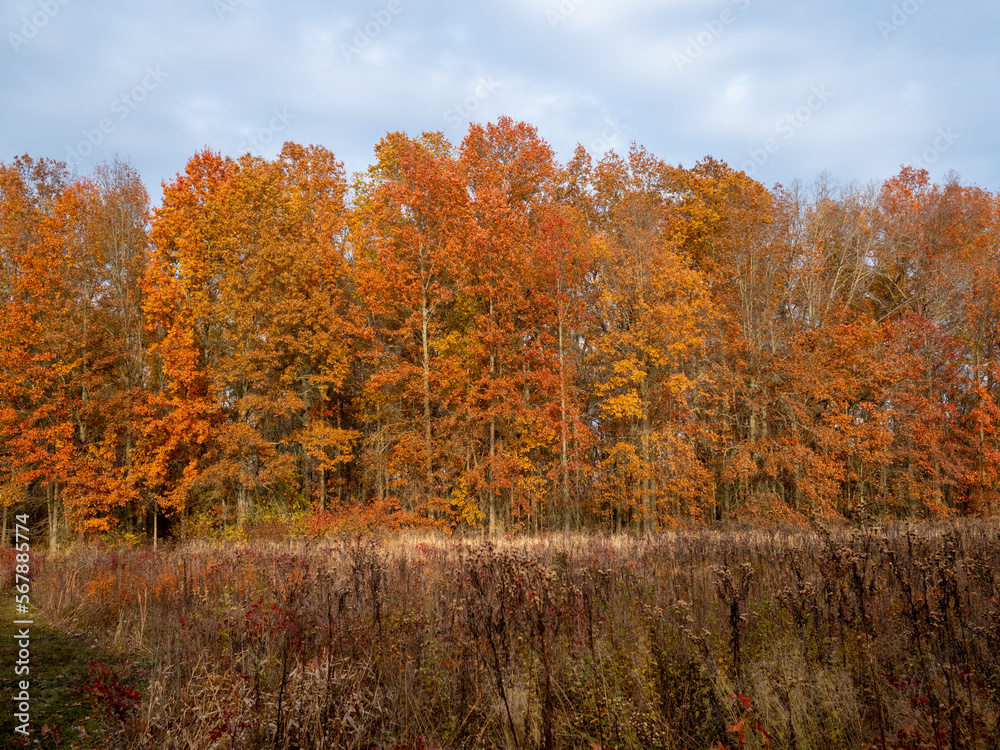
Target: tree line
<point>478,336</point>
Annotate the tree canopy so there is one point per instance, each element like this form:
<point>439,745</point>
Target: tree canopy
<point>478,336</point>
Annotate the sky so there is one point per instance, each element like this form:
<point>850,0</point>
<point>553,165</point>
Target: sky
<point>784,91</point>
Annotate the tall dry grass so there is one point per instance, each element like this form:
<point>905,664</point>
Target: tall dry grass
<point>878,637</point>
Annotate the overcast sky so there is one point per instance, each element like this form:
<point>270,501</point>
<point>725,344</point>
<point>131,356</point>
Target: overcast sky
<point>781,90</point>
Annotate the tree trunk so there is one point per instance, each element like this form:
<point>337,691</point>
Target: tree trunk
<point>241,506</point>
<point>53,502</point>
<point>322,487</point>
<point>489,474</point>
<point>307,465</point>
<point>648,499</point>
<point>563,451</point>
<point>494,511</point>
<point>425,344</point>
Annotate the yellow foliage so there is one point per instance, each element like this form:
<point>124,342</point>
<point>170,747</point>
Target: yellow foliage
<point>465,507</point>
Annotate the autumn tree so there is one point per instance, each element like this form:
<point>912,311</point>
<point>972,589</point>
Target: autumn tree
<point>74,251</point>
<point>522,271</point>
<point>246,293</point>
<point>478,336</point>
<point>407,239</point>
<point>651,315</point>
<point>936,256</point>
<point>36,425</point>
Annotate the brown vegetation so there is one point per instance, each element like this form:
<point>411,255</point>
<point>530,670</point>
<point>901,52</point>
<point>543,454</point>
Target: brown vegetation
<point>880,637</point>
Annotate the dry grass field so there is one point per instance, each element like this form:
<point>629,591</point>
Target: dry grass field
<point>882,637</point>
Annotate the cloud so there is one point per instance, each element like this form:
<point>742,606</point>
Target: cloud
<point>582,71</point>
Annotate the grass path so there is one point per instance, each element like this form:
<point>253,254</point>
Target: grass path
<point>62,714</point>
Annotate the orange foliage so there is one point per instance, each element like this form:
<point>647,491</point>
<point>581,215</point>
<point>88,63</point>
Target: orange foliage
<point>478,336</point>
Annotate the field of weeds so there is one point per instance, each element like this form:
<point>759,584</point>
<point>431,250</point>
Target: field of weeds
<point>869,638</point>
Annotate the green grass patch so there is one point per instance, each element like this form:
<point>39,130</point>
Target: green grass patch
<point>63,713</point>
